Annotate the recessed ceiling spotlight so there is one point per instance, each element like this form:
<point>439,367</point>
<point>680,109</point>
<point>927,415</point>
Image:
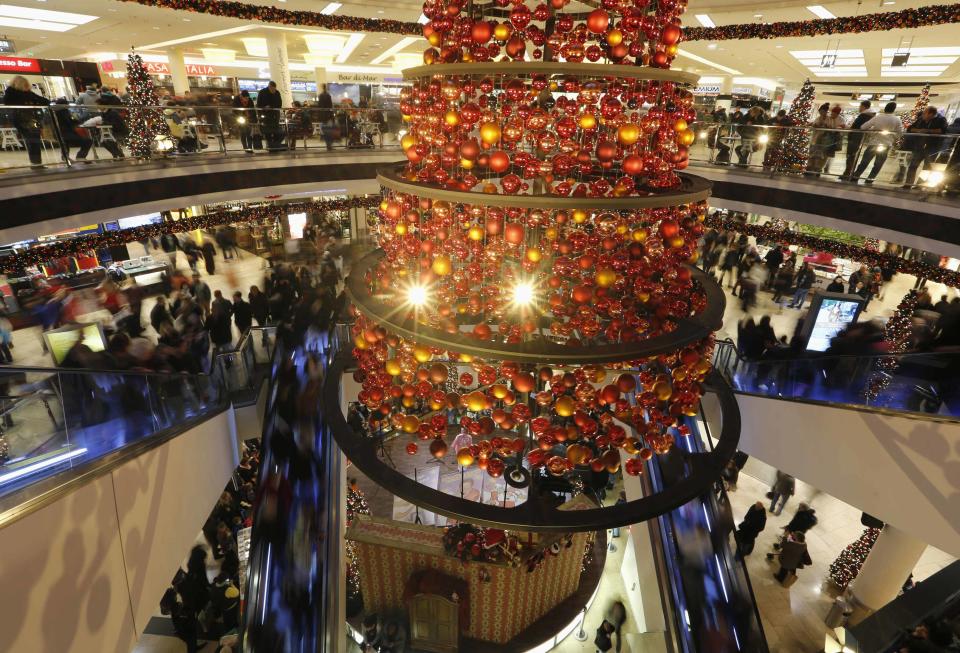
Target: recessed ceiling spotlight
<point>711,46</point>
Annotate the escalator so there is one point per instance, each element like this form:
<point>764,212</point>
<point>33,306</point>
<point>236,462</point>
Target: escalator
<point>705,581</point>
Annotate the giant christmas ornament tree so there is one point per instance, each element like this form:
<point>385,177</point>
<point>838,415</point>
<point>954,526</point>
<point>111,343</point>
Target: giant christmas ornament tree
<point>533,290</point>
<point>847,565</point>
<point>145,122</point>
<point>793,149</point>
<point>923,101</point>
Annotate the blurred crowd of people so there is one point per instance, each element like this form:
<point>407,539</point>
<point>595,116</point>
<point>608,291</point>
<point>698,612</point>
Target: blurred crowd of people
<point>201,609</point>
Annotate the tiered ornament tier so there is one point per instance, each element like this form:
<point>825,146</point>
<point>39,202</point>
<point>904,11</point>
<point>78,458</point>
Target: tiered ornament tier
<point>543,320</point>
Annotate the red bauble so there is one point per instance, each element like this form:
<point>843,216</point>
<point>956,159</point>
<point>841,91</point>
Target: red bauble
<point>513,233</point>
<point>481,32</point>
<point>671,34</point>
<point>524,382</point>
<point>412,448</point>
<point>495,467</point>
<point>597,21</point>
<point>438,448</point>
<point>499,161</point>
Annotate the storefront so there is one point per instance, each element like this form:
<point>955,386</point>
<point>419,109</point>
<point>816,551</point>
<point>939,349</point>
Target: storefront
<point>51,78</point>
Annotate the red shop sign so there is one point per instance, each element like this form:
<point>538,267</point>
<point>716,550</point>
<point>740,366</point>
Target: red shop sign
<point>155,68</point>
<point>19,65</point>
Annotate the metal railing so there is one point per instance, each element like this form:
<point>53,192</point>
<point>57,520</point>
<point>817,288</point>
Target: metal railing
<point>66,134</point>
<point>910,160</point>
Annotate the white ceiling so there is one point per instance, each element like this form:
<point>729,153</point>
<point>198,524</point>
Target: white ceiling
<point>121,25</point>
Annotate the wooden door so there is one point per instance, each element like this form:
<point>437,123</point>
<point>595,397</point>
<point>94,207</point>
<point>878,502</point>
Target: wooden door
<point>434,623</point>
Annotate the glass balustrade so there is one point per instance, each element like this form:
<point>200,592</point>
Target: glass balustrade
<point>910,382</point>
<point>56,422</point>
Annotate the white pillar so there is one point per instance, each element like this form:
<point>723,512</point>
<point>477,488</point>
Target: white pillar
<point>178,71</point>
<point>889,563</point>
<point>279,64</point>
<point>320,76</point>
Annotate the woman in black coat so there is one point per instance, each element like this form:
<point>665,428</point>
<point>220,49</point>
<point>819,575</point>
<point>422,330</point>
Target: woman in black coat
<point>752,525</point>
<point>27,121</point>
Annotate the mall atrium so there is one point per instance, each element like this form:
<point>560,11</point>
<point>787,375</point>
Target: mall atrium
<point>487,326</point>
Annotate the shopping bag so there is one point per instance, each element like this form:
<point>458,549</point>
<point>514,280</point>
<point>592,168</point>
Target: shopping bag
<point>789,580</point>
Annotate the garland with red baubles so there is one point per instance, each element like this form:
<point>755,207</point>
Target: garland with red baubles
<point>877,22</point>
<point>72,247</point>
<point>852,252</point>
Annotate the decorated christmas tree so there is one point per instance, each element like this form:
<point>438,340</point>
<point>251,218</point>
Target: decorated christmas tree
<point>145,123</point>
<point>356,505</point>
<point>923,101</point>
<point>847,565</point>
<point>897,333</point>
<point>790,152</point>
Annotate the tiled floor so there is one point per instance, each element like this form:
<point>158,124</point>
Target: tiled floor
<point>793,618</point>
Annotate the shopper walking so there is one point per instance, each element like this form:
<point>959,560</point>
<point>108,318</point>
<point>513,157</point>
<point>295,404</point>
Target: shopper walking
<point>27,121</point>
<point>270,100</point>
<point>752,525</point>
<point>855,138</point>
<point>803,520</point>
<point>793,556</point>
<point>259,306</point>
<point>884,129</point>
<point>245,115</point>
<point>826,139</point>
<point>242,313</point>
<point>923,142</point>
<point>783,488</point>
<point>803,283</point>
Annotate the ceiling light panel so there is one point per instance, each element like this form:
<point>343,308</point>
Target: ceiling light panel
<point>923,52</point>
<point>324,43</point>
<point>820,11</point>
<point>331,8</point>
<point>45,15</point>
<point>255,46</point>
<point>705,20</point>
<point>219,55</point>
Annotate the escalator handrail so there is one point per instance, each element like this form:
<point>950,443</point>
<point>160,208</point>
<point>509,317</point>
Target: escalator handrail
<point>817,357</point>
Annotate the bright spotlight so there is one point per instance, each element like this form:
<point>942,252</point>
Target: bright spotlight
<point>933,178</point>
<point>417,295</point>
<point>881,148</point>
<point>702,135</point>
<point>241,120</point>
<point>764,139</point>
<point>523,293</point>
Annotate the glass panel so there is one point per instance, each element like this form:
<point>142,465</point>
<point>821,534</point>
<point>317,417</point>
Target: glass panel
<point>57,420</point>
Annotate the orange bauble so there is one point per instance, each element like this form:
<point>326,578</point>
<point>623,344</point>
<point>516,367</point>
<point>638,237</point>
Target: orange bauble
<point>490,132</point>
<point>597,21</point>
<point>499,161</point>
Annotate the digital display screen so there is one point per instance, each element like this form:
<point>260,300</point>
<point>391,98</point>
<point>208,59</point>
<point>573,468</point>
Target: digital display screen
<point>61,341</point>
<point>297,223</point>
<point>833,316</point>
<point>139,220</point>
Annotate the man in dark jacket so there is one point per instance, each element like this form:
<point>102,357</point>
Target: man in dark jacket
<point>27,121</point>
<point>855,138</point>
<point>242,313</point>
<point>159,314</point>
<point>804,519</point>
<point>271,101</point>
<point>752,525</point>
<point>259,306</point>
<point>803,282</point>
<point>773,259</point>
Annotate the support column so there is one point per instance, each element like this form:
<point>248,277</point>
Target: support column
<point>178,71</point>
<point>279,64</point>
<point>889,563</point>
<point>320,76</point>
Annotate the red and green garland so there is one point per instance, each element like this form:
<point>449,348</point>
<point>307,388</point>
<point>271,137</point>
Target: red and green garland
<point>896,333</point>
<point>36,255</point>
<point>843,250</point>
<point>465,541</point>
<point>878,22</point>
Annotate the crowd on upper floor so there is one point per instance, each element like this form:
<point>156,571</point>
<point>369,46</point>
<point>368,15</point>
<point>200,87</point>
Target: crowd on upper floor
<point>101,116</point>
<point>870,137</point>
